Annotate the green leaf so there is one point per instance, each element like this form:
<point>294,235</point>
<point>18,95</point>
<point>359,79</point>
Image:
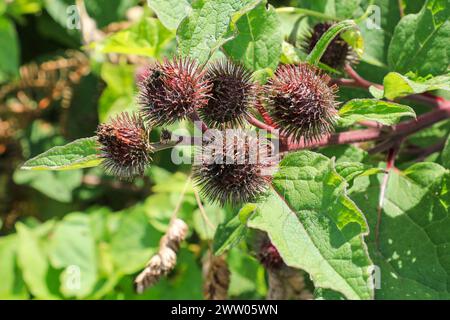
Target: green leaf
<point>397,85</point>
<point>105,12</point>
<point>378,37</point>
<point>412,257</point>
<point>228,235</point>
<point>58,185</point>
<point>206,28</point>
<point>259,39</point>
<point>72,248</point>
<point>119,94</point>
<point>148,38</point>
<point>81,153</point>
<point>351,170</point>
<point>170,12</point>
<point>12,285</point>
<point>9,55</point>
<point>134,242</point>
<point>421,41</point>
<point>321,46</point>
<point>315,226</point>
<point>387,113</point>
<point>247,278</point>
<point>33,263</point>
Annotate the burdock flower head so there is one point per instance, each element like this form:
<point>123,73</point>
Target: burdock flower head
<point>269,256</point>
<point>301,101</point>
<point>232,94</point>
<point>125,146</point>
<point>171,91</point>
<point>232,167</point>
<point>337,54</point>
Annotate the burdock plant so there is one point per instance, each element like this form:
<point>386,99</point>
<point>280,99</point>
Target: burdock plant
<point>125,145</point>
<point>172,90</point>
<point>301,101</point>
<point>232,95</point>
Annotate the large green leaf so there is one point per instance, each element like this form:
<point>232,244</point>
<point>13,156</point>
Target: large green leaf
<point>384,112</point>
<point>315,226</point>
<point>397,85</point>
<point>421,42</point>
<point>81,153</point>
<point>413,254</point>
<point>72,248</point>
<point>170,12</point>
<point>258,43</point>
<point>205,29</point>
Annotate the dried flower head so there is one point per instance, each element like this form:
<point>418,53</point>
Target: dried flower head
<point>337,54</point>
<point>171,91</point>
<point>232,167</point>
<point>301,102</point>
<point>216,277</point>
<point>165,260</point>
<point>269,256</point>
<point>125,146</point>
<point>232,94</point>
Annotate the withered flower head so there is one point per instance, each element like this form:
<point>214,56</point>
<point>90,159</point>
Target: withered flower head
<point>301,101</point>
<point>269,256</point>
<point>232,167</point>
<point>171,91</point>
<point>337,54</point>
<point>232,95</point>
<point>125,145</point>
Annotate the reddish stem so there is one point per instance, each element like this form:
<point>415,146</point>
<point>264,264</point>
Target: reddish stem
<point>265,115</point>
<point>395,132</point>
<point>262,125</point>
<point>357,81</point>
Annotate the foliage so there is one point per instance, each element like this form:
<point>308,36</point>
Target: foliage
<point>365,214</point>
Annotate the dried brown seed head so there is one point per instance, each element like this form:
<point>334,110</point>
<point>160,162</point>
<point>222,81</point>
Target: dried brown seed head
<point>172,91</point>
<point>301,102</point>
<point>125,146</point>
<point>231,168</point>
<point>232,95</point>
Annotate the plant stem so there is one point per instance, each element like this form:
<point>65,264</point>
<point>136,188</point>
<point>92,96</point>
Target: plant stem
<point>395,132</point>
<point>306,12</point>
<point>357,81</point>
<point>262,125</point>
